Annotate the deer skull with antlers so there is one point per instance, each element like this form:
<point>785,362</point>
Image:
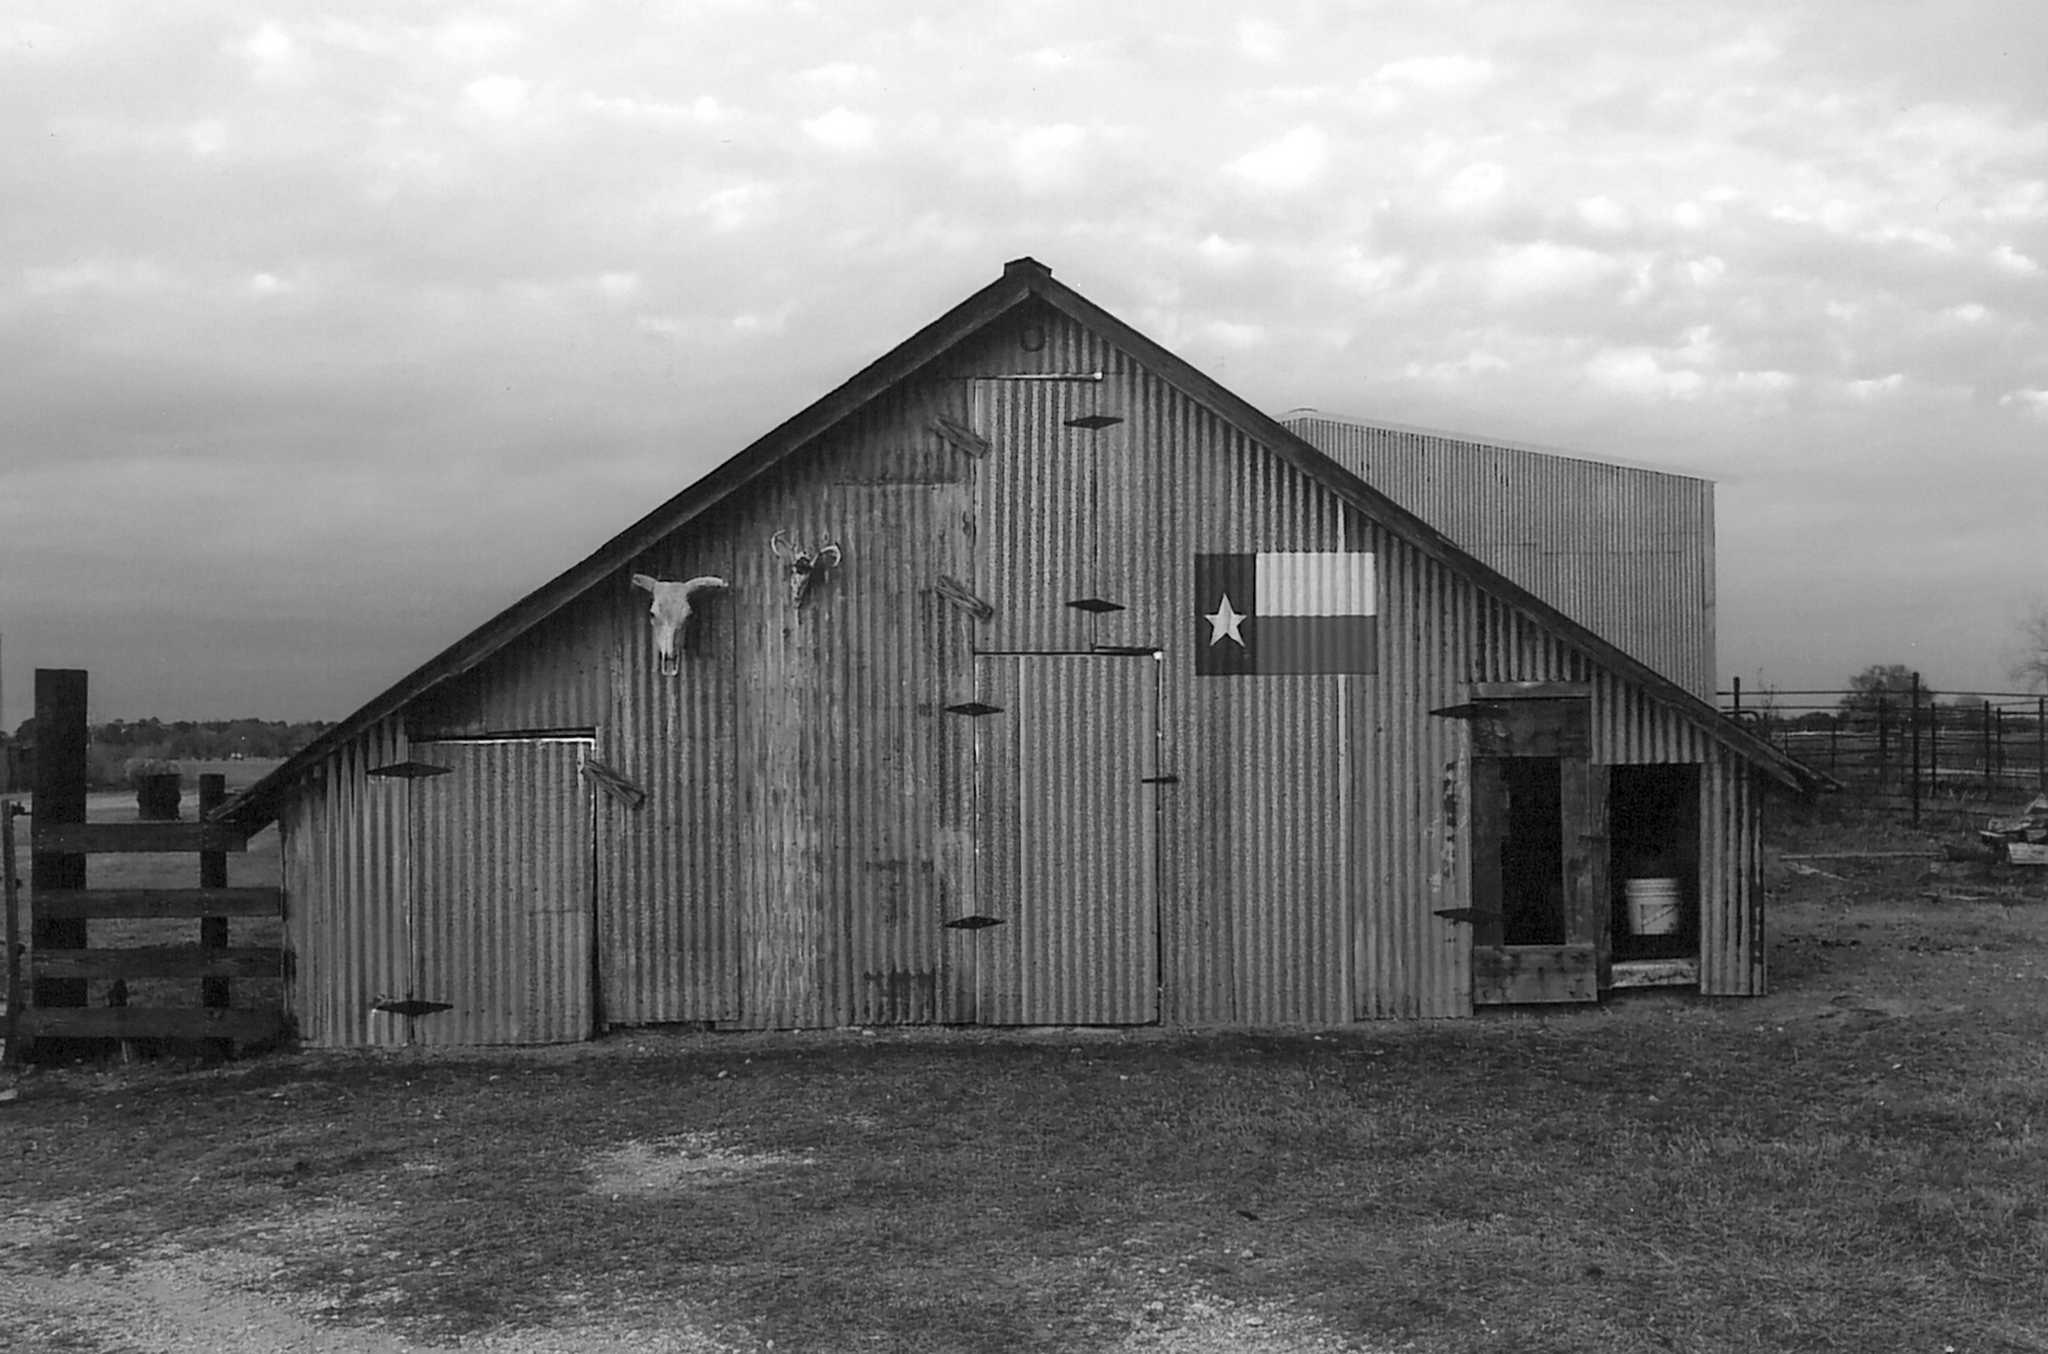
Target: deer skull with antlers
<point>671,612</point>
<point>804,565</point>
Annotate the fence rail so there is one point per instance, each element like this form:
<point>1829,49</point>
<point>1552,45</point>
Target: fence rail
<point>1908,746</point>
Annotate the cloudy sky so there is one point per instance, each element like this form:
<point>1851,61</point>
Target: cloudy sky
<point>326,332</point>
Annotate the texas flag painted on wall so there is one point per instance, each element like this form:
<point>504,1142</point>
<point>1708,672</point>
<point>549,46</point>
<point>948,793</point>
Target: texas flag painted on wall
<point>1297,612</point>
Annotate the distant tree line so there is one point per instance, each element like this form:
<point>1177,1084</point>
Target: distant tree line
<point>120,747</point>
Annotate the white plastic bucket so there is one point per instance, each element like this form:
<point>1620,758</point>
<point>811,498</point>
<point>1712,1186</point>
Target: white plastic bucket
<point>1652,906</point>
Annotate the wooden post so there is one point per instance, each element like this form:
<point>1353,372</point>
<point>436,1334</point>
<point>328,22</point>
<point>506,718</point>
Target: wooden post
<point>1984,728</point>
<point>213,874</point>
<point>59,798</point>
<point>10,898</point>
<point>2041,744</point>
<point>1913,783</point>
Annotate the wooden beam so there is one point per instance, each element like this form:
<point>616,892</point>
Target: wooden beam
<point>213,874</point>
<point>10,899</point>
<point>1512,974</point>
<point>162,961</point>
<point>1531,690</point>
<point>962,596</point>
<point>153,1022</point>
<point>1655,973</point>
<point>68,904</point>
<point>62,744</point>
<point>960,437</point>
<point>135,838</point>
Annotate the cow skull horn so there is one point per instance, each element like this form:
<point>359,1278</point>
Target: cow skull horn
<point>670,614</point>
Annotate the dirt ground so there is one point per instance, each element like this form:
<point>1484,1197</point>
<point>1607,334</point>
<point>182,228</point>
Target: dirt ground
<point>1857,944</point>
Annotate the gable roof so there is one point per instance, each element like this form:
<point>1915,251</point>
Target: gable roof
<point>1023,281</point>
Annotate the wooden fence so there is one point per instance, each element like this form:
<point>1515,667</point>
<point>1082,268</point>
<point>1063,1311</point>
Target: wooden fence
<point>52,1002</point>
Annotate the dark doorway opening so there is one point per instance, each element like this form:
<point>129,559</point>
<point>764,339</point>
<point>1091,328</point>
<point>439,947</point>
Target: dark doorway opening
<point>1654,826</point>
<point>1532,852</point>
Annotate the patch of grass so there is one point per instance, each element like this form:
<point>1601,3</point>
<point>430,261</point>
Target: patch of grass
<point>1858,1162</point>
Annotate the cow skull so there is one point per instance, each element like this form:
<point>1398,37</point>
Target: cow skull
<point>671,613</point>
<point>804,565</point>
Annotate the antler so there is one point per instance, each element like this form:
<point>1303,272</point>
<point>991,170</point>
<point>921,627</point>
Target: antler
<point>780,546</point>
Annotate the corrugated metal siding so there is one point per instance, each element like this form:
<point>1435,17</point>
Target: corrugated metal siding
<point>668,871</point>
<point>1412,792</point>
<point>898,776</point>
<point>812,813</point>
<point>1732,947</point>
<point>1628,552</point>
<point>854,793</point>
<point>502,893</point>
<point>1069,862</point>
<point>1270,792</point>
<point>348,883</point>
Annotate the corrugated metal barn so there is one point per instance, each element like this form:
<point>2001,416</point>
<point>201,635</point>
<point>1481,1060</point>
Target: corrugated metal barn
<point>1049,683</point>
<point>1625,550</point>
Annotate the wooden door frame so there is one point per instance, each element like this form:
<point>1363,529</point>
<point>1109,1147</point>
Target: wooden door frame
<point>1550,720</point>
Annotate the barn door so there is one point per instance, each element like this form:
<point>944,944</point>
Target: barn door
<point>1066,930</point>
<point>1539,907</point>
<point>501,932</point>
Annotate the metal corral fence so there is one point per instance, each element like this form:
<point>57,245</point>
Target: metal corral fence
<point>1908,748</point>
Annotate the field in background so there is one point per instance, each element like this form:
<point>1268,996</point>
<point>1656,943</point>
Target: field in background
<point>1856,1162</point>
<point>258,866</point>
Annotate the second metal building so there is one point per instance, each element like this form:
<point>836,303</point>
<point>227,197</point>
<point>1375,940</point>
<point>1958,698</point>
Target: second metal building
<point>1051,684</point>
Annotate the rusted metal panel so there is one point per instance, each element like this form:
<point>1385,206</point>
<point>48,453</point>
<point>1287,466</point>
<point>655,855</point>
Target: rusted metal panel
<point>1068,891</point>
<point>501,920</point>
<point>1628,551</point>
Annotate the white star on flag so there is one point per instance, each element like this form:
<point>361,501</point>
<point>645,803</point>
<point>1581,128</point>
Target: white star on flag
<point>1225,622</point>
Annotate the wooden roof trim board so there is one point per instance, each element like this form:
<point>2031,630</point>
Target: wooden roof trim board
<point>1022,281</point>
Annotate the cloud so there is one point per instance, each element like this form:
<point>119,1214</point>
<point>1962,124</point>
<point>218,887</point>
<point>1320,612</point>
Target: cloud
<point>1049,157</point>
<point>1261,41</point>
<point>272,54</point>
<point>1474,186</point>
<point>1290,163</point>
<point>841,129</point>
<point>498,96</point>
<point>841,77</point>
<point>1451,73</point>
